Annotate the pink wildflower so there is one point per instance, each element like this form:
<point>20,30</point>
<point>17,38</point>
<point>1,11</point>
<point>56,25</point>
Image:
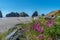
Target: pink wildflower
<point>36,27</point>
<point>40,37</point>
<point>49,23</point>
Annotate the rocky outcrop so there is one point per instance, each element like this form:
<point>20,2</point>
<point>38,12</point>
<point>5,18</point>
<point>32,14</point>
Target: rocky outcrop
<point>0,14</point>
<point>23,14</point>
<point>35,14</point>
<point>13,14</point>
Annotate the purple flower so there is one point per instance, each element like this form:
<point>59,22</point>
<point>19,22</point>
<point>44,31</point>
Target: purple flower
<point>36,27</point>
<point>49,23</point>
<point>40,37</point>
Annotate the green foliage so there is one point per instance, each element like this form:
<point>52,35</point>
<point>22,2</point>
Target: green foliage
<point>3,35</point>
<point>58,14</point>
<point>48,32</point>
<point>31,35</point>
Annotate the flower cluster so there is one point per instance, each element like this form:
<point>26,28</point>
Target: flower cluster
<point>37,27</point>
<point>49,23</point>
<point>40,37</point>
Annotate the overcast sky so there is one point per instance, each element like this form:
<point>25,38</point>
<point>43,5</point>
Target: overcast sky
<point>29,6</point>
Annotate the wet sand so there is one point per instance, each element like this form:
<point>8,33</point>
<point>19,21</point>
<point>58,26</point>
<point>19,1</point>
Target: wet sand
<point>9,22</point>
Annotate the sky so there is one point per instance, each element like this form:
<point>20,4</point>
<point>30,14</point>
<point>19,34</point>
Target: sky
<point>29,6</point>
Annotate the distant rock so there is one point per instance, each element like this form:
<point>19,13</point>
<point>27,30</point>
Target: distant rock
<point>35,14</point>
<point>13,14</point>
<point>23,14</point>
<point>42,14</point>
<point>1,14</point>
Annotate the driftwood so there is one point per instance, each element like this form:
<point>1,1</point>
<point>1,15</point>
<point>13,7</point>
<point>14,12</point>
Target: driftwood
<point>14,35</point>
